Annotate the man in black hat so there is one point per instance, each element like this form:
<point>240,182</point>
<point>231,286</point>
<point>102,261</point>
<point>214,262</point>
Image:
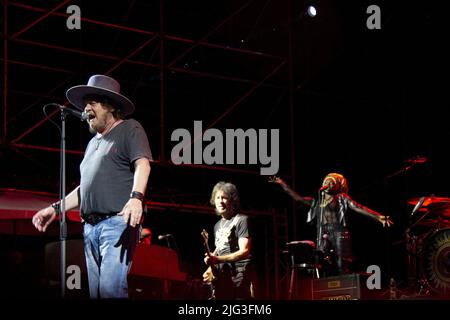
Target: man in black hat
<point>114,174</point>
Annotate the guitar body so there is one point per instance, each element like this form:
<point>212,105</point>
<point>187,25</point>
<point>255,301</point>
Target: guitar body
<point>212,269</point>
<point>211,285</point>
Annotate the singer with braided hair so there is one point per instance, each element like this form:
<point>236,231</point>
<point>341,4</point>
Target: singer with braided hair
<point>329,210</point>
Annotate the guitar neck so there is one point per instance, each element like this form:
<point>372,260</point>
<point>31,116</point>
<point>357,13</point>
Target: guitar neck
<point>208,251</point>
<point>205,242</point>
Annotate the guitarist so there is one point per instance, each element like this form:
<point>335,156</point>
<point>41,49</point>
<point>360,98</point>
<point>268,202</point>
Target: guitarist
<point>231,259</point>
<point>329,210</point>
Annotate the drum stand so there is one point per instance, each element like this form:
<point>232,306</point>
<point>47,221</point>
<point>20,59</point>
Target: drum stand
<point>413,250</point>
<point>418,286</point>
<point>429,252</point>
<point>424,288</point>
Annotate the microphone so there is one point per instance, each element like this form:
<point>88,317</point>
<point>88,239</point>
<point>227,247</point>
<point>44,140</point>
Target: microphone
<point>164,236</point>
<point>323,188</point>
<point>83,116</point>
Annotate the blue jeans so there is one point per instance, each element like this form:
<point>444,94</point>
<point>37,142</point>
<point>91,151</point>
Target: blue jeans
<point>109,247</point>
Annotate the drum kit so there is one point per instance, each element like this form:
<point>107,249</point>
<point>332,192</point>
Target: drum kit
<point>428,245</point>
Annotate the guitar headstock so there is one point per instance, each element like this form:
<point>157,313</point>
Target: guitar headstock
<point>205,235</point>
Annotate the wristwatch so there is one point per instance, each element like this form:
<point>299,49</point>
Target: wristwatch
<point>137,195</point>
<point>57,207</point>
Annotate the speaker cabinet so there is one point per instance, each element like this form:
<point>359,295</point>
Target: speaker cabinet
<point>344,287</point>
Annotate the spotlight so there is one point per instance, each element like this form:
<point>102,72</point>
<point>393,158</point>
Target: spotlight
<point>311,11</point>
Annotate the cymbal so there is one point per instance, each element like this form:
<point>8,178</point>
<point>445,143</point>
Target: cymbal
<point>431,223</point>
<point>442,209</point>
<point>429,200</point>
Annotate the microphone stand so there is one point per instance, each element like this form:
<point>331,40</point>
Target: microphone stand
<point>168,242</point>
<point>166,292</point>
<point>177,250</point>
<point>406,168</point>
<point>180,261</point>
<point>62,186</point>
<point>386,179</point>
<point>319,220</point>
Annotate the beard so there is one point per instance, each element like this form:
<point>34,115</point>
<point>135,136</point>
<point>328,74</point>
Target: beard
<point>99,126</point>
<point>91,130</point>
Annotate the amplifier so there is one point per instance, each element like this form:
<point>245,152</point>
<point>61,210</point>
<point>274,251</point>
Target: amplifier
<point>345,287</point>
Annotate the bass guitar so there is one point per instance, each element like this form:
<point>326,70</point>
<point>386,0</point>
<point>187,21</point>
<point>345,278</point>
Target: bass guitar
<point>212,276</point>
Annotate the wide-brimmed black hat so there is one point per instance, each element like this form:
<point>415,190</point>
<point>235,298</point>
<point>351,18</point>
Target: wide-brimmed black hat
<point>100,85</point>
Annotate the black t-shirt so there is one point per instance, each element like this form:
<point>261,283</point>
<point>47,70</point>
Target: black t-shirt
<point>107,169</point>
<point>227,234</point>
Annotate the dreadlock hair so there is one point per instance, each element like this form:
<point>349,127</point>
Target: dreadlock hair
<point>339,180</point>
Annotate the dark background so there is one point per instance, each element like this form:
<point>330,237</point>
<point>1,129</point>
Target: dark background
<point>345,98</point>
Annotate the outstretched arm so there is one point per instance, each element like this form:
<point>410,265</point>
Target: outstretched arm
<point>291,192</point>
<point>384,220</point>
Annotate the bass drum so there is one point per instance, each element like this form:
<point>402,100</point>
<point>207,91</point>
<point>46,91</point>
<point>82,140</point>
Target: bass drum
<point>436,259</point>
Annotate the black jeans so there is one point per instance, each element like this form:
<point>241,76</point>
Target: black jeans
<point>235,282</point>
<point>336,247</point>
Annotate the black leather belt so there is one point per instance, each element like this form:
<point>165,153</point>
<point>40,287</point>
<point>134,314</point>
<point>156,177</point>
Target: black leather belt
<point>94,218</point>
